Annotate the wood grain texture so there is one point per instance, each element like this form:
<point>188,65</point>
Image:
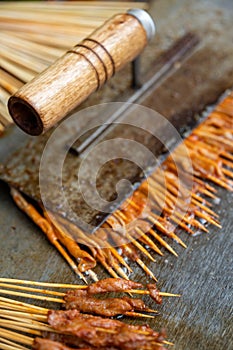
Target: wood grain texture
<point>71,79</point>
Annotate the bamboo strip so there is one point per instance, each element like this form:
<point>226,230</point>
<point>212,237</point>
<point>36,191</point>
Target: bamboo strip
<point>29,289</point>
<point>5,118</point>
<point>19,72</point>
<point>5,346</point>
<point>4,95</point>
<point>42,284</point>
<point>25,45</point>
<point>23,315</point>
<point>26,295</point>
<point>50,39</point>
<point>19,303</point>
<point>26,340</point>
<point>25,60</point>
<point>25,326</point>
<point>9,82</point>
<point>14,345</point>
<point>2,128</point>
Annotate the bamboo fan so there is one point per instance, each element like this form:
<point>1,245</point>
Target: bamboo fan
<point>34,34</point>
<point>210,147</point>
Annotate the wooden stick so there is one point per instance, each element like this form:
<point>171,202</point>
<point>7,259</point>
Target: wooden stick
<point>14,307</point>
<point>133,291</point>
<point>146,269</point>
<point>160,240</point>
<point>5,346</point>
<point>29,306</point>
<point>22,315</point>
<point>26,327</point>
<point>93,275</point>
<point>42,284</point>
<point>35,290</point>
<point>207,218</point>
<point>22,319</point>
<point>23,339</point>
<point>12,344</point>
<point>136,314</point>
<point>164,294</point>
<point>205,208</point>
<point>140,247</point>
<point>32,296</point>
<point>20,328</point>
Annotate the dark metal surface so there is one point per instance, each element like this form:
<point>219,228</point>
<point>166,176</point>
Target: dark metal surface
<point>201,319</point>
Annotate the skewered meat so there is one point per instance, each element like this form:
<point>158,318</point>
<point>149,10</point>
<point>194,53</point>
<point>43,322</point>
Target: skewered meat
<point>154,293</point>
<point>110,307</point>
<point>71,341</point>
<point>99,332</point>
<point>112,285</point>
<point>46,344</point>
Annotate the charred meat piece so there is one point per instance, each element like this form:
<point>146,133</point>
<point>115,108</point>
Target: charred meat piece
<point>46,344</point>
<point>154,293</point>
<point>104,307</point>
<point>112,285</point>
<point>100,332</point>
<point>68,340</point>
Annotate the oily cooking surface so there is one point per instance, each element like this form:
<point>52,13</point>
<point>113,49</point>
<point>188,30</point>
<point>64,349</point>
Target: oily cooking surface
<point>201,319</point>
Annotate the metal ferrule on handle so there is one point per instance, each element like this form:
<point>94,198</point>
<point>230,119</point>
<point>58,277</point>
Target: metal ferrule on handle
<point>83,69</point>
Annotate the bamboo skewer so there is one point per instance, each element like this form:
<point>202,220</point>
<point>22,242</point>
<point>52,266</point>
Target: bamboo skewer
<point>11,345</point>
<point>36,328</point>
<point>26,295</point>
<point>42,284</point>
<point>15,303</point>
<point>26,340</point>
<point>46,228</point>
<point>26,327</point>
<point>29,289</point>
<point>62,294</point>
<point>23,315</point>
<point>5,346</point>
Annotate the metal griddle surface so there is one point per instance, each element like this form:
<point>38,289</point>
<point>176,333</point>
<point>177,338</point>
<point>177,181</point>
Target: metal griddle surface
<point>201,319</point>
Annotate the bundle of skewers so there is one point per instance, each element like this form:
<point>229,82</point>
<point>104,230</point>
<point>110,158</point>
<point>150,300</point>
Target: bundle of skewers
<point>210,147</point>
<point>75,326</point>
<point>35,34</point>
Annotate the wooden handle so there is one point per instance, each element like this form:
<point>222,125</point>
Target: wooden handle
<point>51,95</point>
